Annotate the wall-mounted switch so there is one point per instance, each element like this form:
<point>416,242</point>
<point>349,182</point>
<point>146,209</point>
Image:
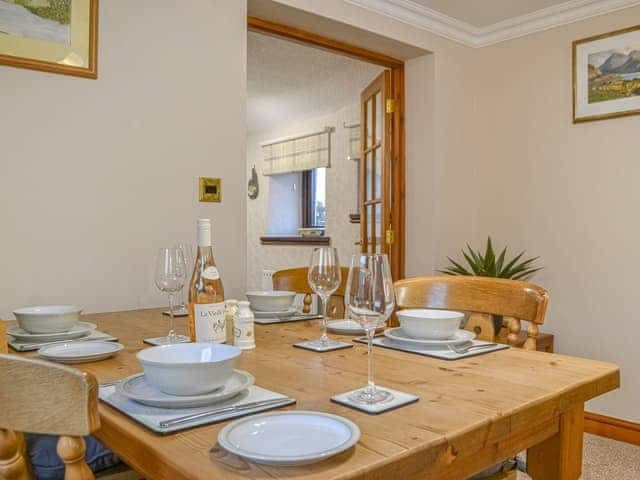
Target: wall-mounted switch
<point>210,189</point>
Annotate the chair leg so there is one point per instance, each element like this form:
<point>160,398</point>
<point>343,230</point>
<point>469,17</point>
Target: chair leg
<point>13,465</point>
<point>71,450</point>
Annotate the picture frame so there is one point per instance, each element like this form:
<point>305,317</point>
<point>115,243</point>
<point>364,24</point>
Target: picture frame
<point>606,75</point>
<point>57,36</point>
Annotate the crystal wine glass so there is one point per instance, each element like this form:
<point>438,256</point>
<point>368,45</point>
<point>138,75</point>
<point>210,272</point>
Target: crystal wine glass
<point>170,277</point>
<point>370,300</point>
<point>324,278</point>
<point>189,260</point>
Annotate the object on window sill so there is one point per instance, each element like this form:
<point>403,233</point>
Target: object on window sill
<point>294,240</point>
<point>253,187</point>
<point>311,232</point>
<point>354,218</point>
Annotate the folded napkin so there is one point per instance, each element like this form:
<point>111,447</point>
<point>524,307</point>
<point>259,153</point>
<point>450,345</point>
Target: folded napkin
<point>25,346</point>
<point>151,417</point>
<point>441,352</point>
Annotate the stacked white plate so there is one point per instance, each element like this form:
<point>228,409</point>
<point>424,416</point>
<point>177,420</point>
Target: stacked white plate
<point>137,388</point>
<point>82,329</point>
<point>347,327</point>
<point>398,335</point>
<point>278,314</point>
<point>79,352</point>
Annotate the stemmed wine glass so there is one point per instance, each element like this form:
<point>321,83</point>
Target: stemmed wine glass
<point>324,278</point>
<point>189,260</point>
<point>370,299</point>
<point>170,277</point>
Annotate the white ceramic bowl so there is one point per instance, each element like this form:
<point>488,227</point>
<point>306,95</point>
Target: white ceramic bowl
<point>48,318</point>
<point>271,300</point>
<point>188,368</point>
<point>430,324</point>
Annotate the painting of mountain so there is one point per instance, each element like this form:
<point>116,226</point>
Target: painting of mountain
<point>614,74</point>
<point>47,20</point>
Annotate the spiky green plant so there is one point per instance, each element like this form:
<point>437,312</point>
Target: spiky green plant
<point>488,264</point>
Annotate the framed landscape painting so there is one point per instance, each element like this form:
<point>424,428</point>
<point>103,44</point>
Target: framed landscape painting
<point>606,75</point>
<point>58,36</point>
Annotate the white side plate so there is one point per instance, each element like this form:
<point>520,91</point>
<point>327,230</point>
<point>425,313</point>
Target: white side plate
<point>289,438</point>
<point>79,352</point>
<point>138,389</point>
<point>80,330</point>
<point>397,334</point>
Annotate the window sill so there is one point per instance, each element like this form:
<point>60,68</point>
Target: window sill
<point>294,240</point>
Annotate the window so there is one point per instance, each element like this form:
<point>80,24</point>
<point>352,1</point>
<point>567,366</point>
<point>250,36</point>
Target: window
<point>314,193</point>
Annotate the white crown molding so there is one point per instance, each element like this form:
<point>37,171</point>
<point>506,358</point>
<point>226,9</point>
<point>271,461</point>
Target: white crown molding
<point>435,22</point>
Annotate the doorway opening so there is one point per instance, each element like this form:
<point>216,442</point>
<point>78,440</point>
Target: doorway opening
<point>325,149</point>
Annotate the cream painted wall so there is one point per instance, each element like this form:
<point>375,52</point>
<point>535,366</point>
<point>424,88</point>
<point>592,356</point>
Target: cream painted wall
<point>341,198</point>
<point>96,175</point>
<point>441,133</point>
<point>566,192</point>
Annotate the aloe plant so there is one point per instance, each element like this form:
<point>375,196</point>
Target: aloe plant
<point>488,264</point>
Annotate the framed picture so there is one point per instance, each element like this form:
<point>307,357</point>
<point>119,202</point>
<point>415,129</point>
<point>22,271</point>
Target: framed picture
<point>606,75</point>
<point>58,36</point>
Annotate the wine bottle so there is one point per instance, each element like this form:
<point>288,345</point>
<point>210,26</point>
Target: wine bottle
<point>206,294</point>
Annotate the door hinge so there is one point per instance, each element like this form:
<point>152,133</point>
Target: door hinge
<point>391,105</point>
<point>389,237</point>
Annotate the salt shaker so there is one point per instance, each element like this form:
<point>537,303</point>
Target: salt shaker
<point>230,310</point>
<point>243,331</point>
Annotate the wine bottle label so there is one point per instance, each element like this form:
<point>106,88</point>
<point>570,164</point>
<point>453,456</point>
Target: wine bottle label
<point>211,273</point>
<point>210,322</point>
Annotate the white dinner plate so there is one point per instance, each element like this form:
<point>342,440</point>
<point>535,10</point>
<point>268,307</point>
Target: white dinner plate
<point>397,334</point>
<point>137,388</point>
<point>347,327</point>
<point>289,438</point>
<point>281,314</point>
<point>79,352</point>
<point>81,329</point>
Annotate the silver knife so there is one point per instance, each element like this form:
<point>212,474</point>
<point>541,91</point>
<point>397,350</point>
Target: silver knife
<point>275,402</point>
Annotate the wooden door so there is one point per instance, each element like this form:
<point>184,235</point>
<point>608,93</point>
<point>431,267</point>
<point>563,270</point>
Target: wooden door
<point>376,143</point>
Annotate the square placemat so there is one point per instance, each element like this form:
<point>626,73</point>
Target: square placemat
<point>428,351</point>
<point>400,399</point>
<point>292,318</point>
<point>309,345</point>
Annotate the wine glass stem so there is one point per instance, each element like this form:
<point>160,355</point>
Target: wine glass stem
<point>371,386</point>
<point>324,338</point>
<point>172,334</point>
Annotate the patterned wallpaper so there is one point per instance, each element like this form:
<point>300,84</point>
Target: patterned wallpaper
<point>341,198</point>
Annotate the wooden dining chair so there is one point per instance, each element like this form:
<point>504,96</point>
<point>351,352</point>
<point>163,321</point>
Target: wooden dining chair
<point>295,280</point>
<point>4,347</point>
<point>483,298</point>
<point>44,398</point>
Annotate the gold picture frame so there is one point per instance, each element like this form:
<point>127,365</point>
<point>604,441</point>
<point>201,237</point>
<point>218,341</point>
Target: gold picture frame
<point>78,56</point>
<point>210,190</point>
<point>600,93</point>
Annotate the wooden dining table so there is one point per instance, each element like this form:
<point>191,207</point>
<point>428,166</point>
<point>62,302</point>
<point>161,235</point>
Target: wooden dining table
<point>472,413</point>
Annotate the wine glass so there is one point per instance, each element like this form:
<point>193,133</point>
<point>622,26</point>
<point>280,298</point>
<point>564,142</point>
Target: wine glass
<point>170,277</point>
<point>324,277</point>
<point>189,260</point>
<point>370,300</point>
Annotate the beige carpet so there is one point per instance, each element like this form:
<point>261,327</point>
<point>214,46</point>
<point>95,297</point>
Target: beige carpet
<point>606,459</point>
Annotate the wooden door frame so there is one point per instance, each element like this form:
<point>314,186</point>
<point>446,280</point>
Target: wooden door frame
<point>396,67</point>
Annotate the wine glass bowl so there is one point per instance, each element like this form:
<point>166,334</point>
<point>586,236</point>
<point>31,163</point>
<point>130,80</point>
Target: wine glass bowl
<point>370,300</point>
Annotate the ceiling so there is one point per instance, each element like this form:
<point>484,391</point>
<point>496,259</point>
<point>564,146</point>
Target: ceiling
<point>478,23</point>
<point>289,82</point>
<point>481,13</point>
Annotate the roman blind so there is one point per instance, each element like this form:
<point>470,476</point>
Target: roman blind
<point>297,153</point>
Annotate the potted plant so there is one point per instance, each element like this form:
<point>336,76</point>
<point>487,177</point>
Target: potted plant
<point>488,264</point>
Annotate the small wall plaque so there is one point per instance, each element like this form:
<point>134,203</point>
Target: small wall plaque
<point>210,189</point>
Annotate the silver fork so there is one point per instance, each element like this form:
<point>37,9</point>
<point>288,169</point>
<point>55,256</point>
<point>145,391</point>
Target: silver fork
<point>464,349</point>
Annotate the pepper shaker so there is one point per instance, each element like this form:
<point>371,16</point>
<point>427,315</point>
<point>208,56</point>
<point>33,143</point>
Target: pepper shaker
<point>243,327</point>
